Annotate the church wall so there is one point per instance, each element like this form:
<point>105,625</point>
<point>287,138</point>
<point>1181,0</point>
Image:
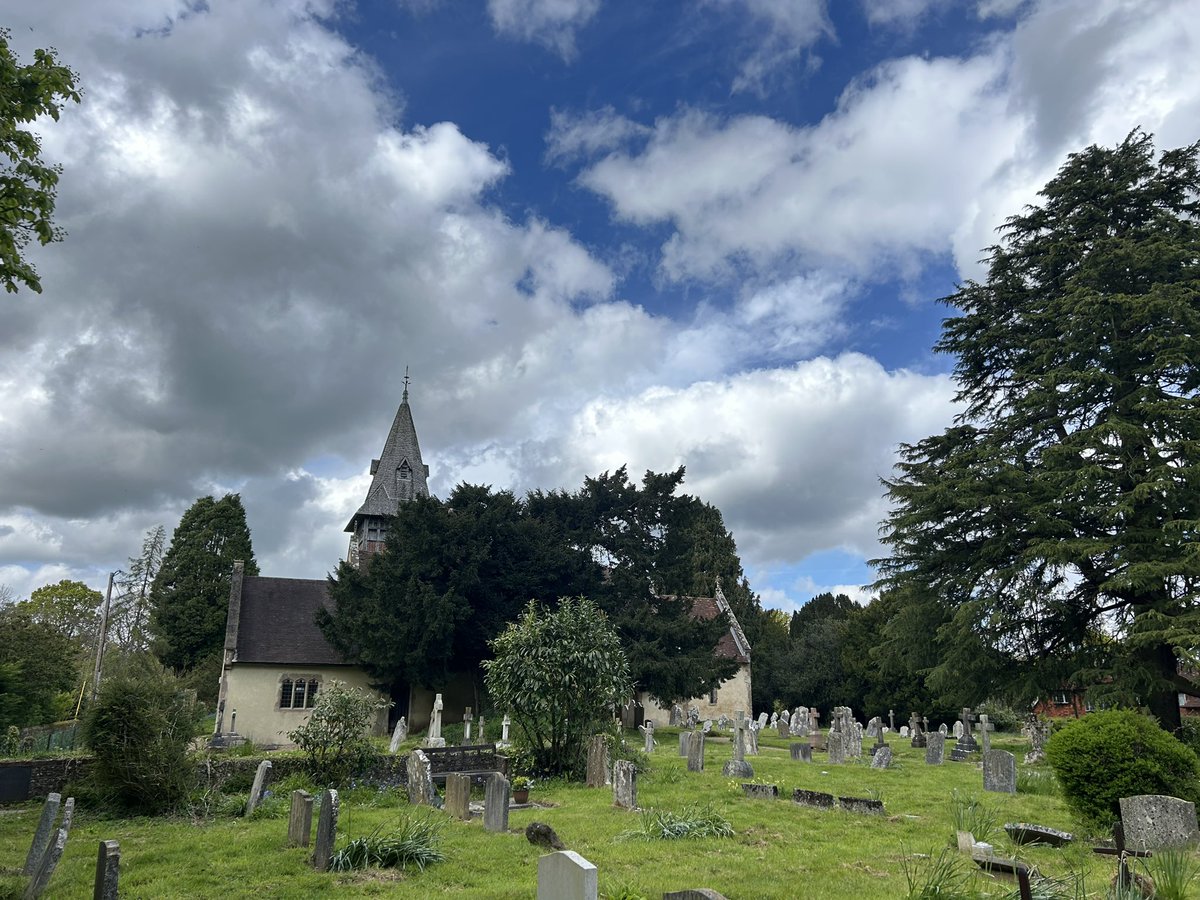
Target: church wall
<point>732,694</point>
<point>254,692</point>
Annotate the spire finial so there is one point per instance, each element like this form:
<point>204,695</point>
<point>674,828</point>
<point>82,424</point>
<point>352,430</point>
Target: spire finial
<point>406,380</point>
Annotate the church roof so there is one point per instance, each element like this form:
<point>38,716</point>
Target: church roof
<point>277,624</point>
<point>733,643</point>
<point>400,450</point>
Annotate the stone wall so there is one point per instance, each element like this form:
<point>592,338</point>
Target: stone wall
<point>732,695</point>
<point>46,775</point>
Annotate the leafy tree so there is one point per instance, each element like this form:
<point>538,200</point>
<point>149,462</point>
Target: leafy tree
<point>335,738</point>
<point>37,669</point>
<point>1055,524</point>
<point>27,184</point>
<point>561,673</point>
<point>69,607</point>
<point>189,597</point>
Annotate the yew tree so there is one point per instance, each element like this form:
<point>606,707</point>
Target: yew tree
<point>1055,523</point>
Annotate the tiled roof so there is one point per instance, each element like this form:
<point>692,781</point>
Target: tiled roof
<point>385,493</point>
<point>276,623</point>
<point>733,644</point>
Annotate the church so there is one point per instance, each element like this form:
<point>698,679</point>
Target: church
<point>276,659</point>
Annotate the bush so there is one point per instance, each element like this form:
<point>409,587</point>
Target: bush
<point>334,739</point>
<point>1000,715</point>
<point>1113,754</point>
<point>413,842</point>
<point>139,730</point>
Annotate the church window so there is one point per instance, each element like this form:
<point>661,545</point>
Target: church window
<point>404,470</point>
<point>712,696</point>
<point>311,700</point>
<point>298,692</point>
<point>285,694</point>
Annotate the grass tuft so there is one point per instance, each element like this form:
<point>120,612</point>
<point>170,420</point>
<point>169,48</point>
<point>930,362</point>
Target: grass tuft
<point>413,841</point>
<point>941,877</point>
<point>1173,872</point>
<point>695,821</point>
<point>973,815</point>
<point>1037,781</point>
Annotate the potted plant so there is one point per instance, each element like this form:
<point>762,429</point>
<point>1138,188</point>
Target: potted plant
<point>520,788</point>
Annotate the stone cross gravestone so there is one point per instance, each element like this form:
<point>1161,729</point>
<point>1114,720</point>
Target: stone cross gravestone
<point>999,771</point>
<point>327,830</point>
<point>108,871</point>
<point>737,767</point>
<point>260,783</point>
<point>458,796</point>
<point>434,738</point>
<point>468,718</point>
<point>421,791</point>
<point>300,819</point>
<point>624,784</point>
<point>495,803</point>
<point>597,761</point>
<point>695,756</point>
<point>935,749</point>
<point>565,875</point>
<point>399,735</point>
<point>505,724</point>
<point>1157,822</point>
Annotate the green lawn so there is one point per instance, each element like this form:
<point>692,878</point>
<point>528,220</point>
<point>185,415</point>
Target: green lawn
<point>779,850</point>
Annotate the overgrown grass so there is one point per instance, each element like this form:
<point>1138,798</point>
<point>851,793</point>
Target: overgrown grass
<point>694,821</point>
<point>412,841</point>
<point>1173,872</point>
<point>1037,781</point>
<point>941,877</point>
<point>973,815</point>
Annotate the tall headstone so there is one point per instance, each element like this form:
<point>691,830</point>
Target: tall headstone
<point>468,719</point>
<point>800,722</point>
<point>676,718</point>
<point>326,830</point>
<point>966,745</point>
<point>958,730</point>
<point>935,749</point>
<point>597,761</point>
<point>108,871</point>
<point>434,738</point>
<point>300,819</point>
<point>43,834</point>
<point>762,721</point>
<point>999,771</point>
<point>260,784</point>
<point>737,767</point>
<point>904,732</point>
<point>505,725</point>
<point>695,757</point>
<point>1157,822</point>
<point>624,784</point>
<point>693,716</point>
<point>873,727</point>
<point>421,791</point>
<point>892,719</point>
<point>684,738</point>
<point>495,803</point>
<point>752,738</point>
<point>399,735</point>
<point>836,747</point>
<point>40,879</point>
<point>1038,732</point>
<point>458,796</point>
<point>565,875</point>
<point>985,732</point>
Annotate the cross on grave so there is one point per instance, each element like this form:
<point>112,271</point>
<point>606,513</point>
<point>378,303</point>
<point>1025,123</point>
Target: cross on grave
<point>966,745</point>
<point>1119,850</point>
<point>892,719</point>
<point>468,718</point>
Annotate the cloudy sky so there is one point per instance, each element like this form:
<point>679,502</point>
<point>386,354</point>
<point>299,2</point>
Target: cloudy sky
<point>699,232</point>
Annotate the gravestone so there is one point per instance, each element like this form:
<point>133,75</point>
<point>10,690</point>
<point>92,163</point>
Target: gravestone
<point>999,772</point>
<point>863,805</point>
<point>800,722</point>
<point>707,727</point>
<point>801,752</point>
<point>694,894</point>
<point>624,784</point>
<point>1157,822</point>
<point>943,730</point>
<point>784,728</point>
<point>458,796</point>
<point>966,745</point>
<point>108,871</point>
<point>434,738</point>
<point>761,791</point>
<point>43,834</point>
<point>300,819</point>
<point>481,731</point>
<point>597,761</point>
<point>903,731</point>
<point>495,803</point>
<point>873,727</point>
<point>723,722</point>
<point>815,799</point>
<point>935,749</point>
<point>882,758</point>
<point>958,730</point>
<point>684,738</point>
<point>1038,732</point>
<point>785,717</point>
<point>762,721</point>
<point>676,719</point>
<point>420,780</point>
<point>399,735</point>
<point>68,814</point>
<point>505,725</point>
<point>260,783</point>
<point>693,717</point>
<point>837,748</point>
<point>40,879</point>
<point>1027,833</point>
<point>985,732</point>
<point>327,821</point>
<point>892,719</point>
<point>774,723</point>
<point>468,718</point>
<point>695,756</point>
<point>566,875</point>
<point>752,738</point>
<point>647,731</point>
<point>737,767</point>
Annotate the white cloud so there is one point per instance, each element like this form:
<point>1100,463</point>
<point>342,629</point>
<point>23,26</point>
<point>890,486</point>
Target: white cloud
<point>574,136</point>
<point>902,13</point>
<point>785,32</point>
<point>551,23</point>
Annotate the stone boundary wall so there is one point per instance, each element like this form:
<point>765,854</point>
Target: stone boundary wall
<point>48,775</point>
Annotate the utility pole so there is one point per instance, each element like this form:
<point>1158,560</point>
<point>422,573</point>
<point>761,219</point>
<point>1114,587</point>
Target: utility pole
<point>102,638</point>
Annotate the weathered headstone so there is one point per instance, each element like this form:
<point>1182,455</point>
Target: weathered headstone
<point>985,732</point>
<point>505,725</point>
<point>707,727</point>
<point>468,719</point>
<point>43,834</point>
<point>300,819</point>
<point>327,821</point>
<point>752,738</point>
<point>774,723</point>
<point>1157,822</point>
<point>1028,833</point>
<point>873,727</point>
<point>882,758</point>
<point>695,756</point>
<point>676,718</point>
<point>1038,732</point>
<point>800,722</point>
<point>108,871</point>
<point>566,875</point>
<point>624,784</point>
<point>260,783</point>
<point>943,730</point>
<point>812,798</point>
<point>762,721</point>
<point>495,803</point>
<point>837,747</point>
<point>737,767</point>
<point>723,722</point>
<point>1000,772</point>
<point>684,738</point>
<point>761,791</point>
<point>892,719</point>
<point>958,730</point>
<point>864,805</point>
<point>399,735</point>
<point>784,728</point>
<point>420,780</point>
<point>68,814</point>
<point>434,738</point>
<point>935,749</point>
<point>44,871</point>
<point>458,796</point>
<point>597,761</point>
<point>693,717</point>
<point>903,731</point>
<point>647,731</point>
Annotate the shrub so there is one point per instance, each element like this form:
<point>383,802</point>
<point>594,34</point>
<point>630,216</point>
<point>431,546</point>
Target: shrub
<point>412,842</point>
<point>1002,716</point>
<point>1113,754</point>
<point>334,739</point>
<point>139,730</point>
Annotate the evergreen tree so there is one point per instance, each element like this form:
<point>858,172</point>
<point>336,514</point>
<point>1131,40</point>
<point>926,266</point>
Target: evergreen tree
<point>189,597</point>
<point>1054,526</point>
<point>131,607</point>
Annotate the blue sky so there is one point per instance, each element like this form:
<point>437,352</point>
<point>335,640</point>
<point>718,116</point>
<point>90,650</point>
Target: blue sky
<point>704,232</point>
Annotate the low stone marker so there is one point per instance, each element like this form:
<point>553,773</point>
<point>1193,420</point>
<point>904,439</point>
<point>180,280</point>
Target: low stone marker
<point>761,791</point>
<point>300,819</point>
<point>801,752</point>
<point>495,803</point>
<point>597,761</point>
<point>882,758</point>
<point>40,879</point>
<point>694,894</point>
<point>814,799</point>
<point>1157,822</point>
<point>326,831</point>
<point>695,754</point>
<point>624,784</point>
<point>935,749</point>
<point>861,805</point>
<point>399,735</point>
<point>260,783</point>
<point>43,834</point>
<point>1026,833</point>
<point>108,871</point>
<point>566,875</point>
<point>458,796</point>
<point>999,771</point>
<point>421,791</point>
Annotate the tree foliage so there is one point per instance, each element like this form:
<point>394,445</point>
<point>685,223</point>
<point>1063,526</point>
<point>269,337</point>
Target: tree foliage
<point>129,627</point>
<point>70,608</point>
<point>561,673</point>
<point>38,669</point>
<point>335,739</point>
<point>190,595</point>
<point>1050,534</point>
<point>27,184</point>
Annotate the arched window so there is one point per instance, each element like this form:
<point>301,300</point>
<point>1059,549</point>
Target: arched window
<point>285,694</point>
<point>311,700</point>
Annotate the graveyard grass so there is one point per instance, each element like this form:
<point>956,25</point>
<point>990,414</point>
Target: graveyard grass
<point>778,850</point>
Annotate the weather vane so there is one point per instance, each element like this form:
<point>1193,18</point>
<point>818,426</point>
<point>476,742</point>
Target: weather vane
<point>406,381</point>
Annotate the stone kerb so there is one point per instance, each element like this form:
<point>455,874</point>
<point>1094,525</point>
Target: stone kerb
<point>1158,822</point>
<point>565,875</point>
